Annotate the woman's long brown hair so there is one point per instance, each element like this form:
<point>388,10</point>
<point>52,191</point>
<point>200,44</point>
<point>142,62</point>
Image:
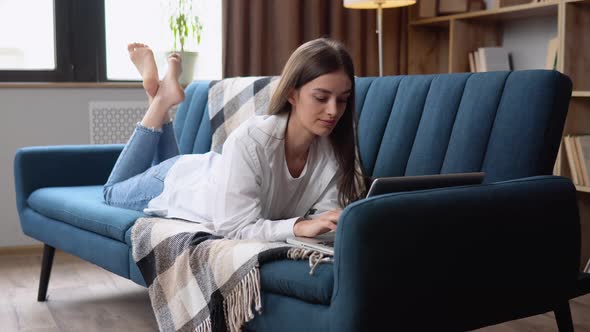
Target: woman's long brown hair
<point>311,60</point>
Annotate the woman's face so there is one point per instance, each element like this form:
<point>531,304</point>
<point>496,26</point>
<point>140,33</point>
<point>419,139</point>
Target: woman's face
<point>319,104</point>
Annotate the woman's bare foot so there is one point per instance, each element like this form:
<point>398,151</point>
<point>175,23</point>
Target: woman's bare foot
<point>143,59</point>
<point>169,94</point>
<point>170,90</point>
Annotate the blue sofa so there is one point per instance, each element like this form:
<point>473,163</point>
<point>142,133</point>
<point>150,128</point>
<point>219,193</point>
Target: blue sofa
<point>433,260</point>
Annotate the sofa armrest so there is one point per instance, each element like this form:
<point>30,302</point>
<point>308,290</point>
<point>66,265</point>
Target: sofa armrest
<point>67,165</point>
<point>468,253</point>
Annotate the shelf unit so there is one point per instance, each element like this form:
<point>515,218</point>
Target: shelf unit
<point>441,45</point>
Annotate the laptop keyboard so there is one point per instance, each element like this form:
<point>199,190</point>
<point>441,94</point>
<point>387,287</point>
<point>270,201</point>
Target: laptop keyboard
<point>327,243</point>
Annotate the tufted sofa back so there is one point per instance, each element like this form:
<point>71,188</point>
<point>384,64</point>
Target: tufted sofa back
<point>507,124</point>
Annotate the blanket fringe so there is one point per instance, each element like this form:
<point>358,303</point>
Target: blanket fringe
<point>238,303</point>
<point>296,253</point>
<point>315,257</point>
<point>205,326</point>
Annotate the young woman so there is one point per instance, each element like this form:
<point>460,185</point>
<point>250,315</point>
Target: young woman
<point>287,173</point>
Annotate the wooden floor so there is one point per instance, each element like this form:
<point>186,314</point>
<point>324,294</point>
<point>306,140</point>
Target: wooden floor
<point>84,297</point>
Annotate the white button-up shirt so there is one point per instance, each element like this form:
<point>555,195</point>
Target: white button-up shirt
<point>242,191</point>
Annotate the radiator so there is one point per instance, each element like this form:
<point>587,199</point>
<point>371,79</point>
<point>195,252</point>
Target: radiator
<point>112,122</point>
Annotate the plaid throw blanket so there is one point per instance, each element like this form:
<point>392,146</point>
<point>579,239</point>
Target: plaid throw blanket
<point>234,100</point>
<point>201,282</point>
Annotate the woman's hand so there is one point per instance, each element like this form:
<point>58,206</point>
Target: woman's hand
<point>323,223</point>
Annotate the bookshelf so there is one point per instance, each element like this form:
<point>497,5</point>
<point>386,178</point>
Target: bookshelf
<point>441,45</point>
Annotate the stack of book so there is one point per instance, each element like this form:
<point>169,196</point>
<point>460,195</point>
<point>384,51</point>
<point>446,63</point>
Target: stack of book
<point>498,58</point>
<point>489,59</point>
<point>577,150</point>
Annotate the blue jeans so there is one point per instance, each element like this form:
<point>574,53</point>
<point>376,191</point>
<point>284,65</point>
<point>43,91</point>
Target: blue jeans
<point>139,173</point>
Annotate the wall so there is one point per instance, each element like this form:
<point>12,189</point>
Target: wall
<point>527,40</point>
<point>42,116</point>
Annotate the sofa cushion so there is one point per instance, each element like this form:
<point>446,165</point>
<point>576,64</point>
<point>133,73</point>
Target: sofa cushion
<point>83,207</point>
<point>292,278</point>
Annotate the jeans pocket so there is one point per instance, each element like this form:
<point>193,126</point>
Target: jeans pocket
<point>160,175</point>
<point>161,170</point>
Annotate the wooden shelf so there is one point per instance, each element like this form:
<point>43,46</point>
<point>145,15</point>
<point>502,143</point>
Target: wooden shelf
<point>580,93</point>
<point>536,9</point>
<point>582,189</point>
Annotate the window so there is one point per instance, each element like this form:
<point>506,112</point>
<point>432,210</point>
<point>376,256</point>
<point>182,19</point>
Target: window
<point>151,27</point>
<point>86,41</point>
<point>28,36</point>
<point>34,43</point>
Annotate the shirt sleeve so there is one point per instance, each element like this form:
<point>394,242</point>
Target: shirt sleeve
<point>328,200</point>
<point>237,205</point>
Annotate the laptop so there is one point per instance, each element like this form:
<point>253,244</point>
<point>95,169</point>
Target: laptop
<point>324,243</point>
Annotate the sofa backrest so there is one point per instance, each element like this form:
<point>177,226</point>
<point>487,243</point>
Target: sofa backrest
<point>192,127</point>
<point>507,124</point>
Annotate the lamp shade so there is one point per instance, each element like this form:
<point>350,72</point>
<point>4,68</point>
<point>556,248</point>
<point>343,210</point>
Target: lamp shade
<point>374,4</point>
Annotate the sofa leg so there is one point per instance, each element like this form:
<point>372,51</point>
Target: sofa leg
<point>48,253</point>
<point>563,316</point>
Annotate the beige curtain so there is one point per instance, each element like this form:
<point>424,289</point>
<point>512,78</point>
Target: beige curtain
<point>260,35</point>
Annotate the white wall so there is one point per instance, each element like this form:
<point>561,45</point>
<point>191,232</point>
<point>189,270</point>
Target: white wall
<point>42,117</point>
<point>527,40</point>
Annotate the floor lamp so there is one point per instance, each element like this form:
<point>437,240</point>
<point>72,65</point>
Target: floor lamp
<point>379,5</point>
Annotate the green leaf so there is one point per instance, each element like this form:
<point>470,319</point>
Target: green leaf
<point>184,25</point>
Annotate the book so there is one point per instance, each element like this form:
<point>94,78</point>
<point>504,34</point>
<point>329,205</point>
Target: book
<point>493,59</point>
<point>583,147</point>
<point>581,168</point>
<point>557,165</point>
<point>493,4</point>
<point>476,61</point>
<point>427,8</point>
<point>481,64</point>
<point>452,6</point>
<point>507,3</point>
<point>475,5</point>
<point>551,58</point>
<point>570,152</point>
<point>471,63</point>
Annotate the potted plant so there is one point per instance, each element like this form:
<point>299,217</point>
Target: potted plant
<point>186,30</point>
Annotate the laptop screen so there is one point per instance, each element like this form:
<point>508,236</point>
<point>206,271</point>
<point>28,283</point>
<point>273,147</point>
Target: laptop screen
<point>386,185</point>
